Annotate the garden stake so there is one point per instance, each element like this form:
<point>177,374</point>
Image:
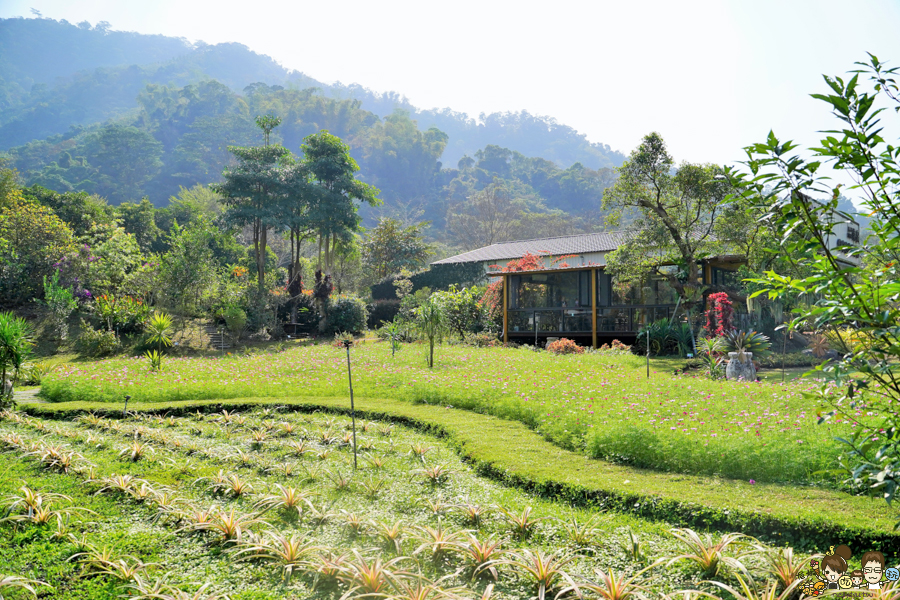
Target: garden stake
<point>347,344</point>
<point>648,353</point>
<point>125,410</point>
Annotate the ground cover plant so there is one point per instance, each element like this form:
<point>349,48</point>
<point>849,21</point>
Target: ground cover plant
<point>595,403</point>
<point>112,525</point>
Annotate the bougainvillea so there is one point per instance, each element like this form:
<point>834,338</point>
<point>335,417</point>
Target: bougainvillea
<point>493,295</point>
<point>719,314</point>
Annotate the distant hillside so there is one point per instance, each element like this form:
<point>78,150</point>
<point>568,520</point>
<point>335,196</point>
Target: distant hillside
<point>55,75</point>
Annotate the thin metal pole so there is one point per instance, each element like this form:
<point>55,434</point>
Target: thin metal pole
<point>352,407</point>
<point>648,353</point>
<point>783,349</point>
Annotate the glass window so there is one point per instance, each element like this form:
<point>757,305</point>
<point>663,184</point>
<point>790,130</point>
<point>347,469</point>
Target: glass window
<point>603,280</point>
<point>521,320</point>
<point>584,288</point>
<point>544,290</point>
<point>548,320</point>
<point>576,319</point>
<point>613,319</point>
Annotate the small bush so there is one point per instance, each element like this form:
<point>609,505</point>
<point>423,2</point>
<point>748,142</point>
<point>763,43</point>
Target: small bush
<point>346,314</point>
<point>616,347</point>
<point>93,342</point>
<point>564,346</point>
<point>484,339</point>
<point>382,311</point>
<point>235,320</point>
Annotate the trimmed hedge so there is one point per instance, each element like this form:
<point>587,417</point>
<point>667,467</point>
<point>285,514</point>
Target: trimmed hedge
<point>438,277</point>
<point>807,518</point>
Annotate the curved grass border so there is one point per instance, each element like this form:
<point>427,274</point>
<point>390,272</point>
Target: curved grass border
<point>806,518</point>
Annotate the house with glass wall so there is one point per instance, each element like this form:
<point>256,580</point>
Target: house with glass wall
<point>575,298</point>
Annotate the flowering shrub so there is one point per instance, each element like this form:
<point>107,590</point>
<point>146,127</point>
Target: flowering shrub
<point>616,347</point>
<point>482,340</point>
<point>124,313</point>
<point>564,346</point>
<point>719,315</point>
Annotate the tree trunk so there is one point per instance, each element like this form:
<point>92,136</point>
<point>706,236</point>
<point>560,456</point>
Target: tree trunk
<point>261,259</point>
<point>431,352</point>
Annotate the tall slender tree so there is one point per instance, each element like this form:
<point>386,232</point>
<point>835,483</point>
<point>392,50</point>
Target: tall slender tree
<point>252,190</point>
<point>333,213</point>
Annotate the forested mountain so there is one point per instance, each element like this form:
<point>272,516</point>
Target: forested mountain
<point>125,115</point>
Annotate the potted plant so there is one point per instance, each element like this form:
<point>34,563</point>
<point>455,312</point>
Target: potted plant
<point>742,346</point>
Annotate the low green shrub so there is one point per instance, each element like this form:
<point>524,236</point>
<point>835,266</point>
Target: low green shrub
<point>382,311</point>
<point>94,342</point>
<point>485,339</point>
<point>346,313</point>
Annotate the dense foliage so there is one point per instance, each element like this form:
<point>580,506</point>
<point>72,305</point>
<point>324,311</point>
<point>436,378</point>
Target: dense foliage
<point>861,294</point>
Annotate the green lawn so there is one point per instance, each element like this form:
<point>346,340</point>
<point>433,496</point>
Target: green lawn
<point>602,405</point>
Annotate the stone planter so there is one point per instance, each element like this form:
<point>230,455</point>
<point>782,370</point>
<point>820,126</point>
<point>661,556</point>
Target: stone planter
<point>740,367</point>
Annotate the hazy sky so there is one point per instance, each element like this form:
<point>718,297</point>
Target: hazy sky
<point>711,77</point>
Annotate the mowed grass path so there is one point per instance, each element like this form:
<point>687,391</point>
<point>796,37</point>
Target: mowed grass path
<point>602,405</point>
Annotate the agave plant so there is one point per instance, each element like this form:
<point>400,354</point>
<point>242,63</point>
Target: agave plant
<point>371,576</point>
<point>480,556</point>
<point>437,540</point>
<point>709,555</point>
<point>136,451</point>
<point>523,524</point>
<point>160,590</point>
<point>472,513</point>
<point>749,591</point>
<point>435,474</point>
<point>611,585</point>
<point>748,341</point>
<point>544,569</point>
<point>390,535</point>
<point>230,525</point>
<point>12,582</point>
<point>290,553</point>
<point>781,565</point>
<point>287,499</point>
<point>582,535</point>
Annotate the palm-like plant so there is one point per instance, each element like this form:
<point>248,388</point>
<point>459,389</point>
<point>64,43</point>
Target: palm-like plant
<point>12,582</point>
<point>709,555</point>
<point>160,330</point>
<point>291,553</point>
<point>544,569</point>
<point>431,322</point>
<point>16,343</point>
<point>710,351</point>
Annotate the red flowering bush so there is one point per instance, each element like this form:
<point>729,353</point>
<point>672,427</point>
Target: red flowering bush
<point>564,346</point>
<point>719,315</point>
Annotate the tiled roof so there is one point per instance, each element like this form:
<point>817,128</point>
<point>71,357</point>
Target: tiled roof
<point>555,246</point>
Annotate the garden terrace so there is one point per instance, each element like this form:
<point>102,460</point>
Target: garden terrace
<point>262,503</point>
